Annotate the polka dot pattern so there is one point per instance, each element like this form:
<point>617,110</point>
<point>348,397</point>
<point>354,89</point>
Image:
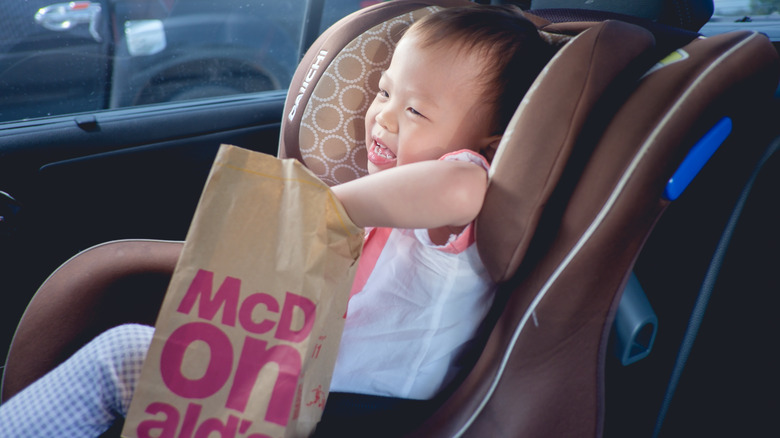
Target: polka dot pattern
<point>332,131</point>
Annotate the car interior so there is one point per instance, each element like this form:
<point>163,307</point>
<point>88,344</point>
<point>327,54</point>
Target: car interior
<point>627,214</point>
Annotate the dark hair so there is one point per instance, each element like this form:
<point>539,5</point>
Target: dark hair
<point>513,49</point>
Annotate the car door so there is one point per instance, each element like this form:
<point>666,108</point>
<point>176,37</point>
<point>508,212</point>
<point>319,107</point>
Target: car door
<point>183,76</point>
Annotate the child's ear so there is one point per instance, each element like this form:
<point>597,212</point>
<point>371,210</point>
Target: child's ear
<point>489,150</point>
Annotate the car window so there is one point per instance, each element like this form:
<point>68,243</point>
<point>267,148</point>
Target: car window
<point>84,56</point>
<point>760,15</point>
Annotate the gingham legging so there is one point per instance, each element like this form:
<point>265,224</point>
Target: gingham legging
<point>85,394</point>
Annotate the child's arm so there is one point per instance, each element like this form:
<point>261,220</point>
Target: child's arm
<point>427,194</point>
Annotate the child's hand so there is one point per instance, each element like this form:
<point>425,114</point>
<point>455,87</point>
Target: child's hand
<point>427,194</point>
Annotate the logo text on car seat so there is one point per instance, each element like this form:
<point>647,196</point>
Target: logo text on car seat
<point>306,80</point>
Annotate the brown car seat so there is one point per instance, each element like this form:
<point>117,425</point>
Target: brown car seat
<point>575,189</point>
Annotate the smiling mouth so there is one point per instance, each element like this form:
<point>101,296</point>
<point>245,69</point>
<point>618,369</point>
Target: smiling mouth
<point>379,154</point>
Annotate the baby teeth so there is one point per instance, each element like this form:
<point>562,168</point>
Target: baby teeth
<point>383,151</point>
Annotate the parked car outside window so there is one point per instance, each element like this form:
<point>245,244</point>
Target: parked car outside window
<point>82,56</point>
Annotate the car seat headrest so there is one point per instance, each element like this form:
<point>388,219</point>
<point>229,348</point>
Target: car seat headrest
<point>684,14</point>
<point>336,81</point>
<point>323,123</point>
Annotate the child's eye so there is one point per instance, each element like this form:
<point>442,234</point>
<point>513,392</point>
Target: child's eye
<point>383,93</point>
<point>415,112</point>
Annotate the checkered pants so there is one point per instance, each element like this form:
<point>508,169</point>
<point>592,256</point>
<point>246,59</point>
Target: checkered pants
<point>85,394</point>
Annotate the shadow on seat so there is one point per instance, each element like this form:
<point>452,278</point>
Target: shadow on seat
<point>575,188</point>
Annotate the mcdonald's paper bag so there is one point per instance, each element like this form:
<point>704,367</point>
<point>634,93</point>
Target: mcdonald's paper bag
<point>247,336</point>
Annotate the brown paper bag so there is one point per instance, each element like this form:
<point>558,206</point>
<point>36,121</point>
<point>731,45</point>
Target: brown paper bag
<point>246,338</point>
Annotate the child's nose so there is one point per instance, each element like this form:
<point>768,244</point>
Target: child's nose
<point>386,120</point>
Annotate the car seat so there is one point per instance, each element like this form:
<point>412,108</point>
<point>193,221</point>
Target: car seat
<point>578,182</point>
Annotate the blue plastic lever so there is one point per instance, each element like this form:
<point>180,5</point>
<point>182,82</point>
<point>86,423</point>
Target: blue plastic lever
<point>698,156</point>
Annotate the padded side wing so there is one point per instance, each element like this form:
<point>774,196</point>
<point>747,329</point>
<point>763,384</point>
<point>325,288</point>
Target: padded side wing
<point>103,286</point>
<point>542,369</point>
<point>540,138</point>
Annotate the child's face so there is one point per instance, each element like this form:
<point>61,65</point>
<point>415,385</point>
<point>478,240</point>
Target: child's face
<point>429,104</point>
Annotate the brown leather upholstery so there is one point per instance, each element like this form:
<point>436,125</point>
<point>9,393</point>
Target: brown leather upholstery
<point>107,285</point>
<point>540,139</point>
<point>541,373</point>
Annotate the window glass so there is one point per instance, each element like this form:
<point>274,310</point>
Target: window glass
<point>759,15</point>
<point>79,56</point>
<point>745,7</point>
<point>333,10</point>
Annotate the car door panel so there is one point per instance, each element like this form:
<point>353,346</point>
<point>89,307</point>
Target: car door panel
<point>134,173</point>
